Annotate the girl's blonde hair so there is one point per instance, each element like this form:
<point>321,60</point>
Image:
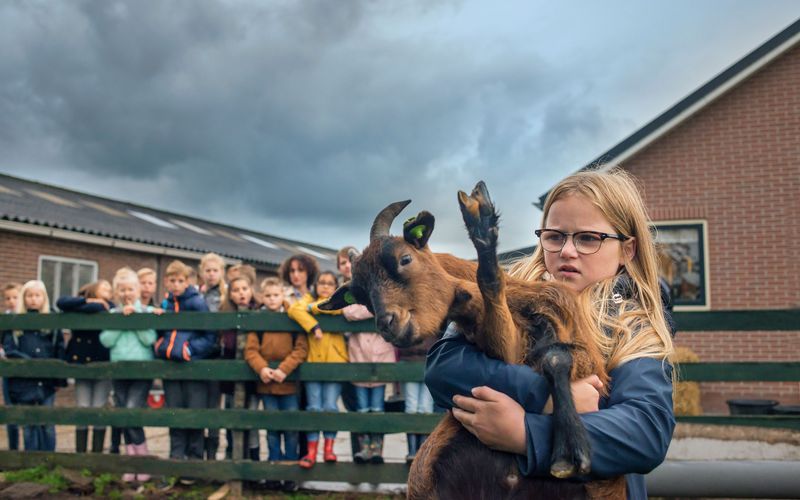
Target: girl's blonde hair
<point>214,258</point>
<point>30,285</point>
<point>634,328</point>
<point>124,275</point>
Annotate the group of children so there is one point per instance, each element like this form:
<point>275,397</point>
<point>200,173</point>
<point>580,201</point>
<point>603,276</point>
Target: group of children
<point>297,291</point>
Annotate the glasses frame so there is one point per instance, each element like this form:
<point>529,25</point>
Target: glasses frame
<point>603,237</point>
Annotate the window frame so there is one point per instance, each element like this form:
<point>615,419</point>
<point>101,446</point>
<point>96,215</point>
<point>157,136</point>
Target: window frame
<point>701,225</point>
<point>57,292</point>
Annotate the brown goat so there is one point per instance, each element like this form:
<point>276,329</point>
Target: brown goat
<point>415,293</point>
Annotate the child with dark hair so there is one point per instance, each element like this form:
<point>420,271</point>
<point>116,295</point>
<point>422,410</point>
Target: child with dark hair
<point>10,299</point>
<point>34,344</point>
<point>85,347</point>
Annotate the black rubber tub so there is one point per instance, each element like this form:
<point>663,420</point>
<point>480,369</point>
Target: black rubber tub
<point>751,406</point>
<point>786,410</point>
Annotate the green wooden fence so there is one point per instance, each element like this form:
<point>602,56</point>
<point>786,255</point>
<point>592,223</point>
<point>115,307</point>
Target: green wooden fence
<point>302,421</point>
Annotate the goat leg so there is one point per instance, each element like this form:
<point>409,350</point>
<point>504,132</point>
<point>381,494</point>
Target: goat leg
<point>571,450</point>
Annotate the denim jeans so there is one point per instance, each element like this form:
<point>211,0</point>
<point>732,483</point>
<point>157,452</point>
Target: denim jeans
<point>322,396</point>
<point>132,394</point>
<point>370,398</point>
<point>288,402</point>
<point>12,429</point>
<point>91,393</point>
<point>418,398</point>
<point>40,437</point>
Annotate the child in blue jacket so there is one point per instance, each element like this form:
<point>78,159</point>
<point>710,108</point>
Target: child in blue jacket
<point>184,345</point>
<point>594,238</point>
<point>34,344</point>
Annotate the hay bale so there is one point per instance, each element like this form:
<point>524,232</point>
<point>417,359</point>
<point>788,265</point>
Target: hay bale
<point>686,395</point>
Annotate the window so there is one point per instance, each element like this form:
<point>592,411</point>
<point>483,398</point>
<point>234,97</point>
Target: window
<point>683,262</point>
<point>62,276</point>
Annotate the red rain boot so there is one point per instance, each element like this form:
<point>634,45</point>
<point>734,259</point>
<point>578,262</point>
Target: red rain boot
<point>328,451</point>
<point>309,460</point>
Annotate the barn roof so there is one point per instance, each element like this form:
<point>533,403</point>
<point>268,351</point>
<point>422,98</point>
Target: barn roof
<point>697,100</point>
<point>46,206</point>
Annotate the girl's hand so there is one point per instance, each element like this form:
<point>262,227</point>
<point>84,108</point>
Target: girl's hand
<point>494,418</point>
<point>278,375</point>
<point>266,375</point>
<point>586,394</point>
<point>158,311</point>
<point>129,309</point>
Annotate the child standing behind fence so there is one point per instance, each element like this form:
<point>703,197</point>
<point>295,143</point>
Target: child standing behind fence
<point>184,345</point>
<point>34,344</point>
<point>147,286</point>
<point>289,350</point>
<point>130,345</point>
<point>85,347</point>
<point>214,290</point>
<point>10,300</point>
<point>323,347</point>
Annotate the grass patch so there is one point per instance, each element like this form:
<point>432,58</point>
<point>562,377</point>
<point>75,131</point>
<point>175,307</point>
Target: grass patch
<point>41,475</point>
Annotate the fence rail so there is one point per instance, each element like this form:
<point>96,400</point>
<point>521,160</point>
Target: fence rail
<point>239,371</point>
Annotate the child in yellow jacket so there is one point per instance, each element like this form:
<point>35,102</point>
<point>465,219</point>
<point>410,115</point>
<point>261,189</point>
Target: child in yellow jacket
<point>323,347</point>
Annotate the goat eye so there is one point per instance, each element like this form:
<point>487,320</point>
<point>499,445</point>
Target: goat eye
<point>405,260</point>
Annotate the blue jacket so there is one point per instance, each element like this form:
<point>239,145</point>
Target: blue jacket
<point>185,345</point>
<point>33,344</point>
<point>629,435</point>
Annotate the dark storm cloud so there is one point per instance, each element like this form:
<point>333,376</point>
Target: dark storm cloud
<point>304,112</point>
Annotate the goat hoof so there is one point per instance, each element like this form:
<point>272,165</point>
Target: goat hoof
<point>562,469</point>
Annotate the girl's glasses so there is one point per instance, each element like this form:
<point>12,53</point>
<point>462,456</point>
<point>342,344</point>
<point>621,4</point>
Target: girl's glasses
<point>586,242</point>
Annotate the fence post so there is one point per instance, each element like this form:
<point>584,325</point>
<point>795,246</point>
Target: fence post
<point>239,401</point>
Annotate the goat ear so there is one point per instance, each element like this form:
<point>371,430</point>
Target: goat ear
<point>417,230</point>
<point>340,299</point>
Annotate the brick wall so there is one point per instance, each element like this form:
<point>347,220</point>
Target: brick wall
<point>736,165</point>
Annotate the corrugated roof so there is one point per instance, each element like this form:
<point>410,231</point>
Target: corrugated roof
<point>41,204</point>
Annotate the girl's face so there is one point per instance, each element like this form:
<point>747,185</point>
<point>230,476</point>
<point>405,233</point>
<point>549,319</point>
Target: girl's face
<point>212,273</point>
<point>34,299</point>
<point>128,293</point>
<point>147,286</point>
<point>298,276</point>
<point>326,285</point>
<point>104,291</point>
<point>574,213</point>
<point>241,293</point>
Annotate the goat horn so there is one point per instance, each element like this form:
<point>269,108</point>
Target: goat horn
<point>384,219</point>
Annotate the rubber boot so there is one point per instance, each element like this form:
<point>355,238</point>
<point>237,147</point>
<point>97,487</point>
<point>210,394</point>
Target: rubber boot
<point>328,454</point>
<point>412,447</point>
<point>116,440</point>
<point>310,459</point>
<point>142,451</point>
<point>376,448</point>
<point>364,453</point>
<point>98,439</point>
<point>81,436</point>
<point>130,450</point>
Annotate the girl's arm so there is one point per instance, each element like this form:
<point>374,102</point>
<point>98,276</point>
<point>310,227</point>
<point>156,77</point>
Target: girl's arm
<point>79,304</point>
<point>60,350</point>
<point>454,366</point>
<point>630,435</point>
<point>299,312</point>
<point>146,337</point>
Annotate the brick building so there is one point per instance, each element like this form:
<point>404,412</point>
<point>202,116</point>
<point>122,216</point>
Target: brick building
<point>720,172</point>
<point>67,238</point>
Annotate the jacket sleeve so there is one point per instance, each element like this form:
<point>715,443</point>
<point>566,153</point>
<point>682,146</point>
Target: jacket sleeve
<point>60,348</point>
<point>454,366</point>
<point>203,342</point>
<point>252,353</point>
<point>630,434</point>
<point>146,337</point>
<point>109,338</point>
<point>299,312</point>
<point>79,305</point>
<point>296,357</point>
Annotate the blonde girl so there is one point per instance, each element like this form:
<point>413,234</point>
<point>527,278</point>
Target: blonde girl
<point>594,237</point>
<point>34,344</point>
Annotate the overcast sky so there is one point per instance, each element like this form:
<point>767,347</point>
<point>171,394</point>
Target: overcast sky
<point>303,119</point>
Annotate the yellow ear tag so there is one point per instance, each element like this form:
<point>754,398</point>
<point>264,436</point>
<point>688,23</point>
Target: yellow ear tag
<point>417,231</point>
<point>348,297</point>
